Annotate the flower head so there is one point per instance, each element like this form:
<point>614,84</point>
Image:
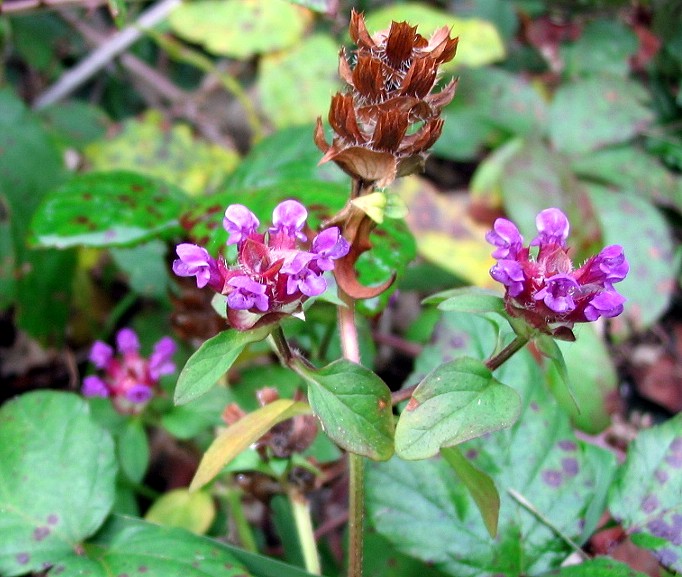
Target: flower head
<point>275,271</point>
<point>129,379</point>
<point>543,286</point>
<point>389,116</point>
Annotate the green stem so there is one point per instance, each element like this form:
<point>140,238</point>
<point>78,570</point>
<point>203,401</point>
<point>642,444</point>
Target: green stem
<point>282,346</point>
<point>356,505</point>
<point>506,353</point>
<point>244,532</point>
<point>304,528</point>
<point>492,363</point>
<point>356,513</point>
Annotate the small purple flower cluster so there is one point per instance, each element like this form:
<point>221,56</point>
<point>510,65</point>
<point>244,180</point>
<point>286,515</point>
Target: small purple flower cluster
<point>541,284</point>
<point>129,379</point>
<point>274,274</point>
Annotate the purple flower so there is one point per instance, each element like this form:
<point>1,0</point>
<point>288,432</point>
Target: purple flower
<point>558,293</point>
<point>139,394</point>
<point>160,362</point>
<point>329,245</point>
<point>608,267</point>
<point>275,272</point>
<point>248,294</point>
<point>506,237</point>
<point>100,354</point>
<point>302,277</point>
<point>510,274</point>
<point>606,304</point>
<point>239,222</point>
<point>195,261</point>
<point>127,342</point>
<point>93,386</point>
<point>553,227</point>
<point>128,378</point>
<point>544,288</point>
<point>289,218</point>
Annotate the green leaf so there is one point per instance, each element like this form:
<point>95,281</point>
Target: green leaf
<point>645,497</point>
<point>600,566</point>
<point>107,209</point>
<point>239,28</point>
<point>182,508</point>
<point>468,300</point>
<point>57,473</point>
<point>354,407</point>
<point>212,360</point>
<point>636,225</point>
<point>597,111</point>
<point>287,155</point>
<point>593,377</point>
<point>428,514</point>
<point>324,6</point>
<point>295,86</point>
<point>564,385</point>
<point>30,165</point>
<point>238,436</point>
<point>133,450</point>
<point>604,47</point>
<point>480,485</point>
<point>381,559</point>
<point>189,420</point>
<point>127,546</point>
<point>76,123</point>
<point>479,41</point>
<point>146,268</point>
<point>480,112</point>
<point>457,401</point>
<point>630,168</point>
<point>151,146</point>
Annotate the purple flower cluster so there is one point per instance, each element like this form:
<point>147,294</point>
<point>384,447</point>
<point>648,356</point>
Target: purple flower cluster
<point>129,379</point>
<point>275,271</point>
<point>541,284</point>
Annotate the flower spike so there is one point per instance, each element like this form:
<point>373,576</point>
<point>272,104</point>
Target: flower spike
<point>545,289</point>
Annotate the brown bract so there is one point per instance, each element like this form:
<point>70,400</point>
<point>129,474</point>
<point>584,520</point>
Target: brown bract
<point>389,117</point>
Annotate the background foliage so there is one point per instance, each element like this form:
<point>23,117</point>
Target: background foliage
<point>569,104</point>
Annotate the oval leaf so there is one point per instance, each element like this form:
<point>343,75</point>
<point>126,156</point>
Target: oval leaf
<point>295,85</point>
<point>212,360</point>
<point>636,224</point>
<point>107,209</point>
<point>57,475</point>
<point>193,511</point>
<point>469,300</point>
<point>239,28</point>
<point>127,546</point>
<point>457,401</point>
<point>241,434</point>
<point>354,407</point>
<point>593,112</point>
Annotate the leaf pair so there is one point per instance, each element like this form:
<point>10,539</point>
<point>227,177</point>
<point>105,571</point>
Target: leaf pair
<point>352,404</point>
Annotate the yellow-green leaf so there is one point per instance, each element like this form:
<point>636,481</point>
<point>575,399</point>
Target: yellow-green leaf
<point>193,511</point>
<point>241,434</point>
<point>171,153</point>
<point>295,85</point>
<point>240,28</point>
